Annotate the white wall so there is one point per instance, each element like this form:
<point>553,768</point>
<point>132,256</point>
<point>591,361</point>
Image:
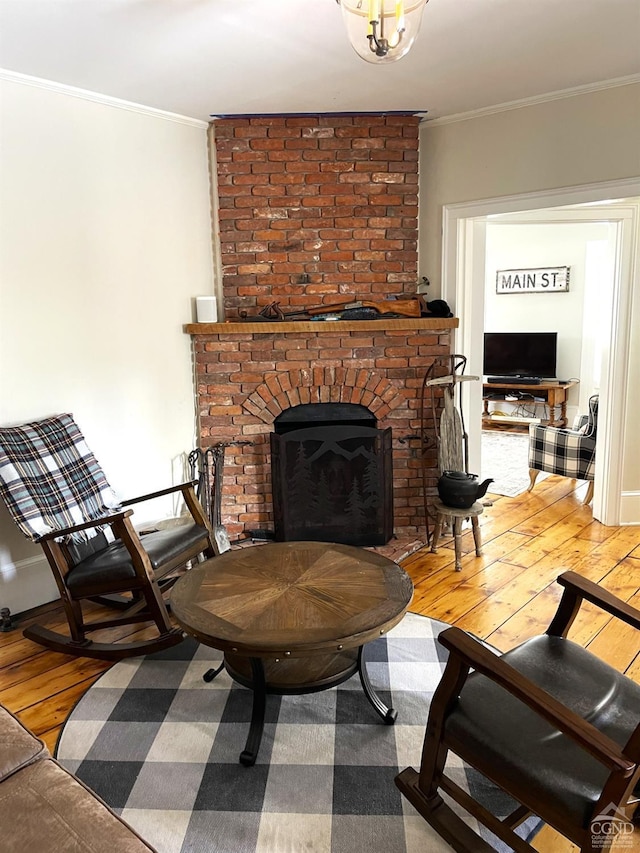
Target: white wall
<point>570,141</point>
<point>106,237</point>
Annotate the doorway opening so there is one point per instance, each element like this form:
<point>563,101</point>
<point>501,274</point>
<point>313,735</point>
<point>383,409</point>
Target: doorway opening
<point>464,262</point>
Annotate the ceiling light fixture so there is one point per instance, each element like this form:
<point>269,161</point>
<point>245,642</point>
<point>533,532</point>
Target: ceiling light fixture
<point>382,30</point>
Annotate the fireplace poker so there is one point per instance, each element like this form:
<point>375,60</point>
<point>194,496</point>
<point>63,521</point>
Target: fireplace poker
<point>207,461</point>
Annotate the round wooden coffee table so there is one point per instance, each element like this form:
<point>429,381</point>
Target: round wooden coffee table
<point>292,617</point>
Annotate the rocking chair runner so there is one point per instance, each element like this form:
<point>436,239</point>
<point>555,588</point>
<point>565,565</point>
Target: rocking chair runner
<point>59,497</point>
<point>550,723</point>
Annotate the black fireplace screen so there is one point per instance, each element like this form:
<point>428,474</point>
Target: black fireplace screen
<point>333,483</point>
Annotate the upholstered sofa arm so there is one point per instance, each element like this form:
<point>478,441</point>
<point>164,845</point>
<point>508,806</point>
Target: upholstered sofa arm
<point>46,809</point>
<point>18,747</point>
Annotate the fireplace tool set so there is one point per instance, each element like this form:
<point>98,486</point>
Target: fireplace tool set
<point>207,466</point>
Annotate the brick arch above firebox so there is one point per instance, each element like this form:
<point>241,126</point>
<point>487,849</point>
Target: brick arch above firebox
<point>324,385</point>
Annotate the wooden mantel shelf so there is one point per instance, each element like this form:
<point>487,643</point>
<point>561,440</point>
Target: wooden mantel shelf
<point>329,326</point>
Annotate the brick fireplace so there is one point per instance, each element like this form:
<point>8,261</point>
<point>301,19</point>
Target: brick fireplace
<point>314,210</point>
<point>248,373</point>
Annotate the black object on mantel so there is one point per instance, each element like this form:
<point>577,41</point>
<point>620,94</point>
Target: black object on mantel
<point>437,308</point>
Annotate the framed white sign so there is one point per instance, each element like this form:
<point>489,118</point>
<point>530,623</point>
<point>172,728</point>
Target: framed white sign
<point>540,280</point>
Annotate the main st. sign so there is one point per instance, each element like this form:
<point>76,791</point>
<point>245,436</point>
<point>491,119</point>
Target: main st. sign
<point>541,280</point>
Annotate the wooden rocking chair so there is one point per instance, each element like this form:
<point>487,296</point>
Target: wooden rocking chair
<point>59,497</point>
<point>551,724</point>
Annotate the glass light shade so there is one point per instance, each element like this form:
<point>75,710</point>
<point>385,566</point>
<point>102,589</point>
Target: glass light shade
<point>382,31</point>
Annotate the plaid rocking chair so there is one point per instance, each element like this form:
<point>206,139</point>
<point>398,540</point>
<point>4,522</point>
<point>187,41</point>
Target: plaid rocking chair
<point>567,452</point>
<point>59,497</point>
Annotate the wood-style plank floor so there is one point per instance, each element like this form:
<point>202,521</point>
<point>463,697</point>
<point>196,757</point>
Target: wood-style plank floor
<point>504,596</point>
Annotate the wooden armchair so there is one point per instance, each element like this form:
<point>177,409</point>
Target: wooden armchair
<point>548,722</point>
<point>59,497</point>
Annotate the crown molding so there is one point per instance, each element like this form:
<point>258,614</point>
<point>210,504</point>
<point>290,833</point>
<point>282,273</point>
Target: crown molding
<point>317,114</point>
<point>536,99</point>
<point>425,121</point>
<point>95,97</point>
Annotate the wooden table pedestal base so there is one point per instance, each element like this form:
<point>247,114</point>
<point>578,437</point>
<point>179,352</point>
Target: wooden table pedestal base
<point>283,677</point>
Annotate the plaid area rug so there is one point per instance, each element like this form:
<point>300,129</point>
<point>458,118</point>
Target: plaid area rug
<point>161,746</point>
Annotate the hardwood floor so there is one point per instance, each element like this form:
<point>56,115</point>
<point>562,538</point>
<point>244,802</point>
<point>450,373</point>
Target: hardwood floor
<point>504,596</point>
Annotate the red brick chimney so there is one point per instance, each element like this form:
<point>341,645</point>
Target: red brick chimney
<point>316,209</point>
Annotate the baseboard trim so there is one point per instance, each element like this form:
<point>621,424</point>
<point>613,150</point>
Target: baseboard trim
<point>26,584</point>
<point>630,508</point>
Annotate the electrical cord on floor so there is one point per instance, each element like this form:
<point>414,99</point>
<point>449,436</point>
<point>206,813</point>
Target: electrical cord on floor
<point>524,412</point>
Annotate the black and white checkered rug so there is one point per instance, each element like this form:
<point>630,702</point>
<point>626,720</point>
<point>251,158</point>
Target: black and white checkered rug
<point>161,746</point>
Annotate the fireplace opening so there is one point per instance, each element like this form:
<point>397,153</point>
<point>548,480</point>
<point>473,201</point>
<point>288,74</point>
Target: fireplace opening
<point>332,475</point>
<point>324,414</point>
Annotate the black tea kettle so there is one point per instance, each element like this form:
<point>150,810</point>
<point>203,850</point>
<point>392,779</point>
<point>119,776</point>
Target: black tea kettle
<point>461,490</point>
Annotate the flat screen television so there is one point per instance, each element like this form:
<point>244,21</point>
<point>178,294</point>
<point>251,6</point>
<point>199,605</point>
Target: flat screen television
<point>525,354</point>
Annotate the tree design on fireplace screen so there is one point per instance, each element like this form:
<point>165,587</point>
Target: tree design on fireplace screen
<point>333,483</point>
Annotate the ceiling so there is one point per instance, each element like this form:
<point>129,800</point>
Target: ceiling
<point>200,58</point>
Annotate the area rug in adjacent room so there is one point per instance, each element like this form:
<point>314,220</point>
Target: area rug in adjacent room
<point>505,458</point>
<point>161,747</point>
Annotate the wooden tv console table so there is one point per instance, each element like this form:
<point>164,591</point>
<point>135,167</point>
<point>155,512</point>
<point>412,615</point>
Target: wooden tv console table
<point>554,394</point>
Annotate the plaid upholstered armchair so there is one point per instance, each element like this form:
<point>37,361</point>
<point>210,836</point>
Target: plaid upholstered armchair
<point>567,452</point>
